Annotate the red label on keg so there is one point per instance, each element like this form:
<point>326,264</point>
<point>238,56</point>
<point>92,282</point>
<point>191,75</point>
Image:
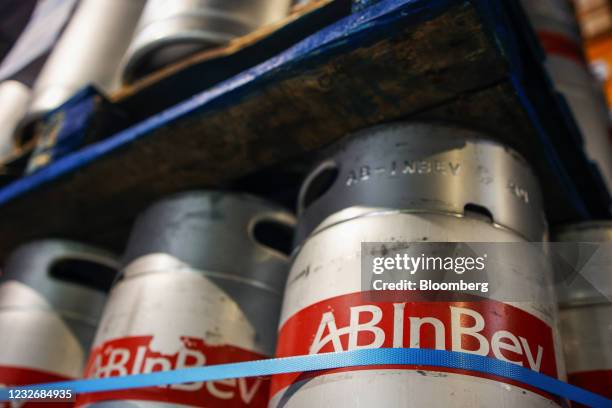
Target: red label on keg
<point>598,381</point>
<point>16,376</point>
<point>561,45</point>
<point>484,327</point>
<point>139,355</point>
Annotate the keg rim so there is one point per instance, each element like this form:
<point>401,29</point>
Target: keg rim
<point>179,227</point>
<point>141,51</point>
<point>68,247</point>
<point>180,195</point>
<point>346,156</point>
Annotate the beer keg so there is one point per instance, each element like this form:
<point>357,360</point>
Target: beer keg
<point>52,293</point>
<point>407,183</point>
<point>201,284</point>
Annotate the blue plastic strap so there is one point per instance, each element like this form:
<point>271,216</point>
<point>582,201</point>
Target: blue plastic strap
<point>369,357</point>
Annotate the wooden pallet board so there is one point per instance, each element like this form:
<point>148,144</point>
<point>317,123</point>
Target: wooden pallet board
<point>198,72</point>
<point>398,59</point>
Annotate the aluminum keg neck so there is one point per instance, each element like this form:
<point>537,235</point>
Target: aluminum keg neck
<point>424,167</point>
<point>216,232</point>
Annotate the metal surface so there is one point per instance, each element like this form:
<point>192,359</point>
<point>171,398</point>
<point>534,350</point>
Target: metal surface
<point>587,102</point>
<point>88,53</point>
<point>397,207</point>
<point>378,167</point>
<point>172,29</point>
<point>554,16</point>
<point>586,333</point>
<point>14,98</point>
<point>586,281</point>
<point>557,28</point>
<point>47,322</point>
<point>586,321</point>
<point>199,279</point>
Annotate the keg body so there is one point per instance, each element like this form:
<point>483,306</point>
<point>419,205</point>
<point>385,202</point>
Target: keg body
<point>556,26</point>
<point>47,323</point>
<point>197,289</point>
<point>433,175</point>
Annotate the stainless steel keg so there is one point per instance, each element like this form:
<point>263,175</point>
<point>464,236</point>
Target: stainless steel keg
<point>51,297</point>
<point>202,284</point>
<point>586,315</point>
<point>559,34</point>
<point>415,182</point>
<point>14,98</point>
<point>172,29</point>
<point>89,52</point>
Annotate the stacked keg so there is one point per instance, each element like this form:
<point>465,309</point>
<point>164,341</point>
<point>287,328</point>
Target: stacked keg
<point>51,297</point>
<point>416,182</point>
<point>201,284</point>
<point>586,310</point>
<point>559,34</point>
<point>210,277</point>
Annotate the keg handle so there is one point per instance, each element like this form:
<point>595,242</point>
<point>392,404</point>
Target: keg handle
<point>317,183</point>
<point>273,231</point>
<point>95,271</point>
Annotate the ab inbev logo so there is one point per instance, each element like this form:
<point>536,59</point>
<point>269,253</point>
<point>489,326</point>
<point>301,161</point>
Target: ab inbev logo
<point>483,327</point>
<point>134,355</point>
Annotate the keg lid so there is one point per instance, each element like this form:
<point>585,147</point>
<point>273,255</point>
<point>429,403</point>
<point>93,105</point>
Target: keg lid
<point>72,278</point>
<point>423,167</point>
<point>234,236</point>
<point>594,282</point>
